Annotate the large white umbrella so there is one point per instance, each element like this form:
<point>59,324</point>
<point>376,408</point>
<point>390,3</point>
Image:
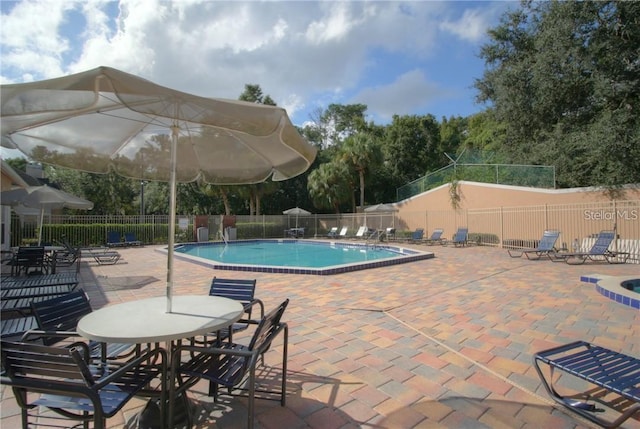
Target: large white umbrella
<point>43,197</point>
<point>296,211</point>
<point>106,119</point>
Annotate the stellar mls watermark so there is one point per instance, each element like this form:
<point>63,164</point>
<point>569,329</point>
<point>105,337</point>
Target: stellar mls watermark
<point>623,214</point>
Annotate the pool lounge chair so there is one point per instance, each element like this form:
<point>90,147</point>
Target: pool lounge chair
<point>598,252</point>
<point>102,256</point>
<point>114,239</point>
<point>332,232</point>
<point>461,237</point>
<point>343,232</point>
<point>436,237</point>
<point>417,235</point>
<point>362,232</point>
<point>616,375</point>
<point>545,247</point>
<point>131,240</point>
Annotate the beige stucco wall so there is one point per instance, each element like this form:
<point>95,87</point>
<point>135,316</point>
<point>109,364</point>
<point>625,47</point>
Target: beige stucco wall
<point>485,195</point>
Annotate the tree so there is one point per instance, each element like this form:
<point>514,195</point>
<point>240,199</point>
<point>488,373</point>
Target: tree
<point>337,122</point>
<point>564,80</point>
<point>328,185</point>
<point>411,147</point>
<point>253,94</point>
<point>362,152</point>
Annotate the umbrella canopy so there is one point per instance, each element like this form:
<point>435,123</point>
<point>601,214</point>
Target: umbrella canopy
<point>296,211</point>
<point>43,197</point>
<point>105,119</point>
<point>379,208</point>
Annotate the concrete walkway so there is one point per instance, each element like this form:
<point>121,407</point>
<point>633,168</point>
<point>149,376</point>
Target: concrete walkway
<point>441,343</point>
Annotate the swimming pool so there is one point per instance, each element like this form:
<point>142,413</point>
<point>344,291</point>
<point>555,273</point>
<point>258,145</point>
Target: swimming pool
<point>297,256</point>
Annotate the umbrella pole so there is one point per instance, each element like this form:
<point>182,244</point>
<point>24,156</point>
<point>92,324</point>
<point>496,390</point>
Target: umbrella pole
<point>41,221</point>
<point>172,217</point>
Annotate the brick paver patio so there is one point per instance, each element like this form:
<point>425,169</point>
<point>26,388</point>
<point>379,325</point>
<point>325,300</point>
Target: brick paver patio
<point>440,343</point>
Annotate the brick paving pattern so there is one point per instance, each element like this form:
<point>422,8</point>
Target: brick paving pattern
<point>440,343</point>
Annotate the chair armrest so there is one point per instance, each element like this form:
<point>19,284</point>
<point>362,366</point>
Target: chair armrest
<point>151,355</point>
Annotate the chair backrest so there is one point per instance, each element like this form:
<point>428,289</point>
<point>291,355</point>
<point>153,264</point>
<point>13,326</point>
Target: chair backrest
<point>418,234</point>
<point>30,256</point>
<point>343,231</point>
<point>268,327</point>
<point>361,231</point>
<point>461,235</point>
<point>334,229</point>
<point>34,365</point>
<point>548,240</point>
<point>237,289</point>
<point>113,237</point>
<point>130,236</point>
<point>436,234</point>
<point>61,314</point>
<point>604,240</point>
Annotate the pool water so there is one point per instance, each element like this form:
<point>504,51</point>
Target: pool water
<point>297,256</point>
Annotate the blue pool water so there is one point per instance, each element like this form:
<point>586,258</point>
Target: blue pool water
<point>297,256</point>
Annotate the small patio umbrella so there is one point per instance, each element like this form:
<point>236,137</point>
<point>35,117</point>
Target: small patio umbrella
<point>380,208</point>
<point>296,211</point>
<point>105,119</point>
<point>43,197</point>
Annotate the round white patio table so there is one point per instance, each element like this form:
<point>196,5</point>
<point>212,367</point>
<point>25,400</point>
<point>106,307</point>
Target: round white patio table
<point>147,320</point>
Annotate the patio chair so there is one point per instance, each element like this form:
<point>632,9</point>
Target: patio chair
<point>598,252</point>
<point>461,237</point>
<point>57,319</point>
<point>231,364</point>
<point>545,247</point>
<point>390,233</point>
<point>343,232</point>
<point>114,239</point>
<point>417,235</point>
<point>239,290</point>
<point>131,240</point>
<point>70,385</point>
<point>30,260</point>
<point>435,238</point>
<point>332,232</point>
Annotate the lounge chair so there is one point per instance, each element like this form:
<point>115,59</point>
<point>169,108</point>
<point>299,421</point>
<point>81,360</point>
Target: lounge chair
<point>613,372</point>
<point>461,237</point>
<point>598,252</point>
<point>102,256</point>
<point>114,239</point>
<point>417,235</point>
<point>362,232</point>
<point>131,240</point>
<point>333,232</point>
<point>436,237</point>
<point>343,232</point>
<point>390,233</point>
<point>545,246</point>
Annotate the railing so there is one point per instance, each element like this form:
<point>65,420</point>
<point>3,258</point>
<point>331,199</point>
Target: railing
<point>510,227</point>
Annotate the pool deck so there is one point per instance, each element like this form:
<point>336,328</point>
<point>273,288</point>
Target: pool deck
<point>440,343</point>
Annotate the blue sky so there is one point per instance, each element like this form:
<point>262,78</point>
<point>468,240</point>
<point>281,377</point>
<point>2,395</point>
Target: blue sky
<point>405,58</point>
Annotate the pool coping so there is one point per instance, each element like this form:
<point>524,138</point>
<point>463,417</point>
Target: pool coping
<point>610,287</point>
<point>408,255</point>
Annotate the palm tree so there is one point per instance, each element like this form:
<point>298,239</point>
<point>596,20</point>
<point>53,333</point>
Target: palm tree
<point>328,187</point>
<point>362,152</point>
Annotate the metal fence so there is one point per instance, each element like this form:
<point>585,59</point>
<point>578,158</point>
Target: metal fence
<point>509,227</point>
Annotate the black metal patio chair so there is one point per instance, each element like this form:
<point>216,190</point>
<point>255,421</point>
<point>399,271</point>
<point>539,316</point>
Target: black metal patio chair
<point>230,364</point>
<point>71,386</point>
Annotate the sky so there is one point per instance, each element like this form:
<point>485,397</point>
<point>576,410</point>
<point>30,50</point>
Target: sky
<point>397,58</point>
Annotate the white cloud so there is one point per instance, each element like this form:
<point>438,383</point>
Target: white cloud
<point>304,54</point>
<point>410,93</point>
<point>472,25</point>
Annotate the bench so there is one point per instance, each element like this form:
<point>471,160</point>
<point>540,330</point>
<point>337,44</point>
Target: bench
<point>612,371</point>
